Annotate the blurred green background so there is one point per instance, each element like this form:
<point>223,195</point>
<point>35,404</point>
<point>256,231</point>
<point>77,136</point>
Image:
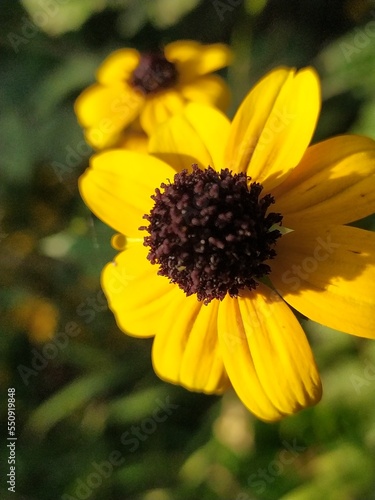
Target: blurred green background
<point>93,421</point>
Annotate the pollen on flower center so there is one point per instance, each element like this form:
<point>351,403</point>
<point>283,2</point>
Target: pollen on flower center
<point>210,234</point>
<point>153,73</point>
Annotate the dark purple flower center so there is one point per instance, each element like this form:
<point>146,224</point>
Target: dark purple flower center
<point>210,234</point>
<point>153,73</point>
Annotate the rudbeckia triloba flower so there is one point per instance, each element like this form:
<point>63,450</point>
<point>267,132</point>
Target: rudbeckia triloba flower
<point>136,92</point>
<point>229,224</point>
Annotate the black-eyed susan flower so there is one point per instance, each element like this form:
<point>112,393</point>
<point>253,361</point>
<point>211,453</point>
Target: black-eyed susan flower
<point>136,92</point>
<point>229,224</point>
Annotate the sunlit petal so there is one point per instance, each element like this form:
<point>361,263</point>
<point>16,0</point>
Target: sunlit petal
<point>135,293</point>
<point>329,276</point>
<point>274,125</point>
<point>198,135</point>
<point>186,349</point>
<point>118,186</point>
<point>266,354</point>
<point>335,178</point>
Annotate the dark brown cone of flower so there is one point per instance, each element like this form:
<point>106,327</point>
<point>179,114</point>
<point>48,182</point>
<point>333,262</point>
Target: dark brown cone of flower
<point>210,234</point>
<point>154,73</point>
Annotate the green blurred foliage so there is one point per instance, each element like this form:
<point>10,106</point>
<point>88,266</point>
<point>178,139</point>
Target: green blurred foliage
<point>90,411</point>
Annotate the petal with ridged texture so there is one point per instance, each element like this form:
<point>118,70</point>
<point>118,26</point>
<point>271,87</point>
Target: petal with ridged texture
<point>266,354</point>
<point>274,125</point>
<point>186,349</point>
<point>335,178</point>
<point>329,276</point>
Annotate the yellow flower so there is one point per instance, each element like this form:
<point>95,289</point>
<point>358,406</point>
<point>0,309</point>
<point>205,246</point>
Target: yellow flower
<point>213,234</point>
<point>38,317</point>
<point>136,92</point>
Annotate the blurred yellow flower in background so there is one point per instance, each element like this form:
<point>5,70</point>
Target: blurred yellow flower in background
<point>138,91</point>
<point>38,317</point>
<point>215,275</point>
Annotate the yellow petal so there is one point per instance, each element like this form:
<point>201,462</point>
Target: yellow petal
<point>334,183</point>
<point>186,350</point>
<point>108,109</point>
<point>102,138</point>
<point>136,294</point>
<point>198,135</point>
<point>118,186</point>
<point>274,125</point>
<point>136,141</point>
<point>329,277</point>
<point>159,108</point>
<point>128,138</point>
<point>118,66</point>
<point>193,59</point>
<point>208,89</point>
<point>266,354</point>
